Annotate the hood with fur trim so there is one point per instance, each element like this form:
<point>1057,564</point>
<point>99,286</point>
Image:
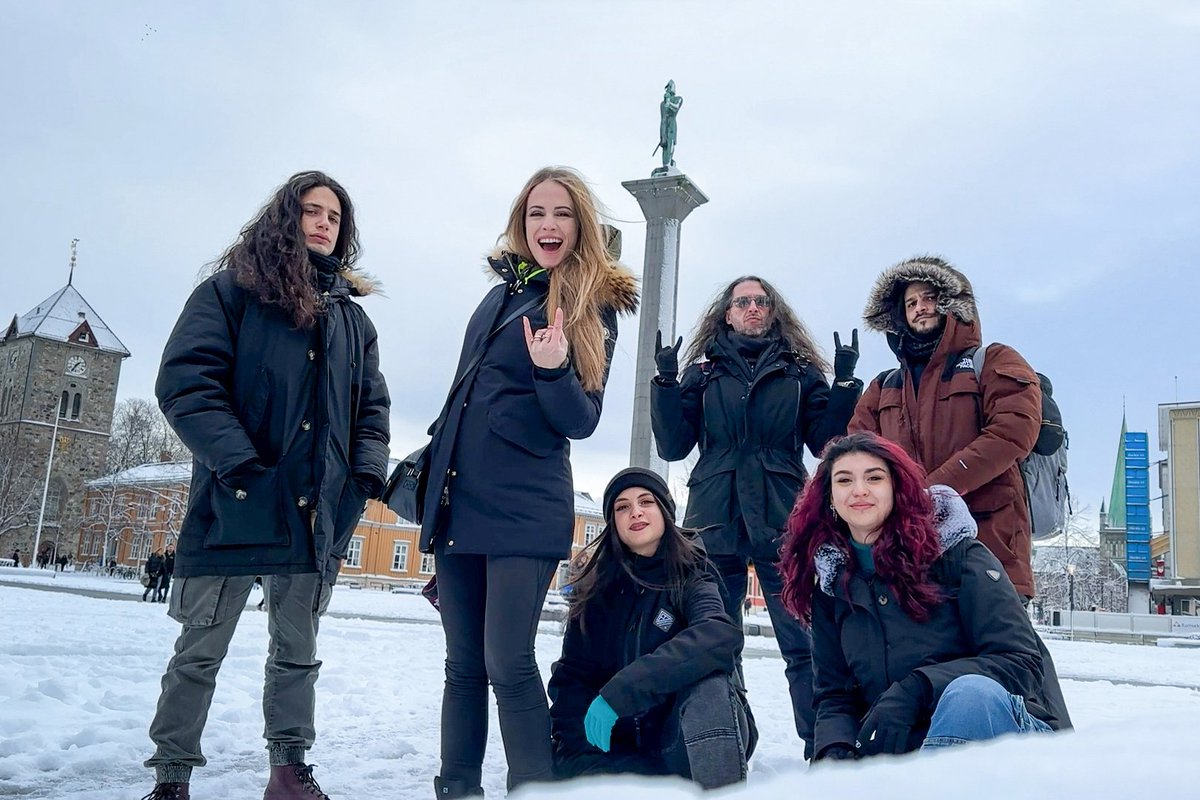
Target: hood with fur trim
<point>883,312</point>
<point>361,284</point>
<point>618,292</point>
<point>951,517</point>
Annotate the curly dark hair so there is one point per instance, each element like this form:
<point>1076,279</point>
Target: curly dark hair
<point>907,546</point>
<point>786,323</point>
<point>270,257</point>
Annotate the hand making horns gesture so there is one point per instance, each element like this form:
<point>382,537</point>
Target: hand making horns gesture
<point>548,347</point>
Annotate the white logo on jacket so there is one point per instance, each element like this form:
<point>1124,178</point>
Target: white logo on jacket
<point>664,620</point>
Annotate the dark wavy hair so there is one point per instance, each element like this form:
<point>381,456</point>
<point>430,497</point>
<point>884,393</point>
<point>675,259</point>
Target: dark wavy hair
<point>786,323</point>
<point>270,256</point>
<point>600,564</point>
<point>906,548</point>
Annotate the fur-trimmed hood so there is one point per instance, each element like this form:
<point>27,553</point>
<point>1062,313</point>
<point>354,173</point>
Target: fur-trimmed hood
<point>955,295</point>
<point>619,291</point>
<point>361,284</point>
<point>951,517</point>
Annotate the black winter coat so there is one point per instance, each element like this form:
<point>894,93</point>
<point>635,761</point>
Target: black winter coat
<point>637,648</point>
<point>154,565</point>
<point>751,434</point>
<point>499,468</point>
<point>278,420</point>
<point>863,642</point>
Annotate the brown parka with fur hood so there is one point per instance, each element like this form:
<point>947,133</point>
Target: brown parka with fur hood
<point>968,434</point>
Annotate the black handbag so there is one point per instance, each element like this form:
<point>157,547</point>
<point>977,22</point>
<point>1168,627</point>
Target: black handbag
<point>405,489</point>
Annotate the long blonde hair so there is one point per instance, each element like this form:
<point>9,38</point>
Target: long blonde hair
<point>579,285</point>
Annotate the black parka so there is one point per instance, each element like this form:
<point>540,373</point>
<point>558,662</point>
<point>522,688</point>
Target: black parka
<point>499,468</point>
<point>637,648</point>
<point>278,420</point>
<point>751,437</point>
<point>864,641</point>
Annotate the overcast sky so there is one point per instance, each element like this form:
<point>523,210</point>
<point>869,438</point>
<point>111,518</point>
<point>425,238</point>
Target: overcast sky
<point>1049,150</point>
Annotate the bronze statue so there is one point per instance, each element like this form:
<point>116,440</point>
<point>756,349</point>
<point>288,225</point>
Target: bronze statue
<point>668,110</point>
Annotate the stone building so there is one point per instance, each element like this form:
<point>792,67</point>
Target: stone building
<point>59,368</point>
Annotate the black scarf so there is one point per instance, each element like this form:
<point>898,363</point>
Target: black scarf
<point>327,268</point>
<point>917,348</point>
<point>745,351</point>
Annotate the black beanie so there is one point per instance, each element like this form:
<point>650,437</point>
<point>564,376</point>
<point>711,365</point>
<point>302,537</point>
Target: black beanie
<point>643,479</point>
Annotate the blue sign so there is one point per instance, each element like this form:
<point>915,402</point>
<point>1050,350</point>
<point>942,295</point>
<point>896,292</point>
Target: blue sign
<point>1137,506</point>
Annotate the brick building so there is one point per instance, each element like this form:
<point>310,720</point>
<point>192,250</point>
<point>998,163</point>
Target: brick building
<point>130,514</point>
<point>59,368</point>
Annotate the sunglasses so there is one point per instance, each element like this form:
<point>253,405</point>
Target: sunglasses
<point>760,300</point>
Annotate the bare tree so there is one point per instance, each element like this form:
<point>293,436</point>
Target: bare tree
<point>1070,571</point>
<point>19,488</point>
<point>141,435</point>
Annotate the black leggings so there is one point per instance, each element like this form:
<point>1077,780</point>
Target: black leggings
<point>490,608</point>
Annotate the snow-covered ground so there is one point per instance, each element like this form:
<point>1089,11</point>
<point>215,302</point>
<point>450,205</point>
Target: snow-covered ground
<point>79,680</point>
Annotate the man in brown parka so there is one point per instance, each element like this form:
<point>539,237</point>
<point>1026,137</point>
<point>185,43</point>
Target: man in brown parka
<point>968,434</point>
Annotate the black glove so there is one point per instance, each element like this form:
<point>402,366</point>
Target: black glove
<point>888,724</point>
<point>845,357</point>
<point>837,752</point>
<point>667,358</point>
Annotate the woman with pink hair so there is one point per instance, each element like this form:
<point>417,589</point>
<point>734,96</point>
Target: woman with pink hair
<point>919,638</point>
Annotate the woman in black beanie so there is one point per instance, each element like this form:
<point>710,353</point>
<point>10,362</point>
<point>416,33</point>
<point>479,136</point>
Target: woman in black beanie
<point>644,682</point>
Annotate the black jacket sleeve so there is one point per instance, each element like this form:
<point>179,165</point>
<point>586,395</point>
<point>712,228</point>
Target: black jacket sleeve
<point>195,379</point>
<point>998,630</point>
<point>369,443</point>
<point>827,411</point>
<point>835,691</point>
<point>570,410</point>
<point>708,644</point>
<point>677,413</point>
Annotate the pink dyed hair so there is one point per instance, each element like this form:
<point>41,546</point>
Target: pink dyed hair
<point>906,548</point>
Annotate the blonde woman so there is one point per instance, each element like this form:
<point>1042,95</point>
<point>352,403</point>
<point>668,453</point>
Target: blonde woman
<point>499,505</point>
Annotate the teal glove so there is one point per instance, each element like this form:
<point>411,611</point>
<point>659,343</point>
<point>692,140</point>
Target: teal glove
<point>598,723</point>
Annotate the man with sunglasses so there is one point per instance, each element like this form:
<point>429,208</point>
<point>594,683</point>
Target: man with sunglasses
<point>752,395</point>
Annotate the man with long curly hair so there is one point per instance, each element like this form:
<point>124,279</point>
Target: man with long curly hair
<point>753,394</point>
<point>271,378</point>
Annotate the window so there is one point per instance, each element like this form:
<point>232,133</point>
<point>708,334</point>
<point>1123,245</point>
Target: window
<point>354,552</point>
<point>400,557</point>
<point>145,506</point>
<point>590,531</point>
<point>53,501</point>
<point>427,563</point>
<point>62,405</point>
<point>141,546</point>
<point>76,405</point>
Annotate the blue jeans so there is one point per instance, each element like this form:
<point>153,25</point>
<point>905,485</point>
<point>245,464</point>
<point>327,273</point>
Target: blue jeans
<point>974,708</point>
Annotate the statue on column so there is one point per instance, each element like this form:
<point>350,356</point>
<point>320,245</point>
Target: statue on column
<point>668,110</point>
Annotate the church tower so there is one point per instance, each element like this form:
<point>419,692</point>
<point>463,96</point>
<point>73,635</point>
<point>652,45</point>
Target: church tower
<point>59,368</point>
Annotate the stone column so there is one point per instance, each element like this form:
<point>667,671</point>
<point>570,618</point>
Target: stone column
<point>666,200</point>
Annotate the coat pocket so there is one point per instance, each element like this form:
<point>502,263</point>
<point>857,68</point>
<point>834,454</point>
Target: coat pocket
<point>526,427</point>
<point>248,512</point>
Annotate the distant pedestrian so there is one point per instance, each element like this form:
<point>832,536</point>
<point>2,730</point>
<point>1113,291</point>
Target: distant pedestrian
<point>16,557</point>
<point>112,567</point>
<point>164,579</point>
<point>154,568</point>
